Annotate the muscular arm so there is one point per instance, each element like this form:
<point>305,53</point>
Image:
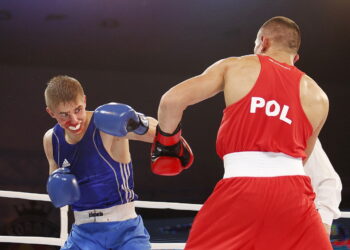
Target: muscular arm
<point>315,105</point>
<point>188,92</point>
<point>47,142</point>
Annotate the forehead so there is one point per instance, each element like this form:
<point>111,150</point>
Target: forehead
<point>69,106</point>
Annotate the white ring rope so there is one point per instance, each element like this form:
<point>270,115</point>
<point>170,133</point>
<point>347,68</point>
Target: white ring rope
<point>64,220</point>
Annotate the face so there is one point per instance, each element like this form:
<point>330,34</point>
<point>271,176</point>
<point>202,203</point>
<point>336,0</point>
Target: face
<point>71,116</point>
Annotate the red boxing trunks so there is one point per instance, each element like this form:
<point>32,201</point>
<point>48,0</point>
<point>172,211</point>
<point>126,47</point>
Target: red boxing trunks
<point>260,213</point>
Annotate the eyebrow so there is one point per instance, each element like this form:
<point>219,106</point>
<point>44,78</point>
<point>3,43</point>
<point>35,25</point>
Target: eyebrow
<point>80,106</point>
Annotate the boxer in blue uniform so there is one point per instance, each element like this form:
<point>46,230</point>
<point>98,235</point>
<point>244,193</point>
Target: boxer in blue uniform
<point>91,169</point>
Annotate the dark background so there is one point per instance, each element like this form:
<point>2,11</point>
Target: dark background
<point>131,52</point>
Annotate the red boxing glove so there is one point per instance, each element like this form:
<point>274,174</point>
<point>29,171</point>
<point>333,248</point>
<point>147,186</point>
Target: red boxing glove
<point>170,153</point>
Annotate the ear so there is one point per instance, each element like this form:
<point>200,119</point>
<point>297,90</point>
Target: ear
<point>50,112</point>
<point>265,44</point>
<point>296,58</point>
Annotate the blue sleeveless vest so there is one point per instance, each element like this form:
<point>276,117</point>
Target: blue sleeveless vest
<point>103,181</point>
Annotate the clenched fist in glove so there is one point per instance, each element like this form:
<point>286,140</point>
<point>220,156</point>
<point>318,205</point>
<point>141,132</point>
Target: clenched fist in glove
<point>170,153</point>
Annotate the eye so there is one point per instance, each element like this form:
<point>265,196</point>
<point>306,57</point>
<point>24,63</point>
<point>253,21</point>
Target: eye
<point>78,110</point>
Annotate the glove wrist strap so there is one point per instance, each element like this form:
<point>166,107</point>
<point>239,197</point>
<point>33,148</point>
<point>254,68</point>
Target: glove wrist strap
<point>167,139</point>
<point>143,125</point>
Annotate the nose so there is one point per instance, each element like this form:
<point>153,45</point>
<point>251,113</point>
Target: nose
<point>74,119</point>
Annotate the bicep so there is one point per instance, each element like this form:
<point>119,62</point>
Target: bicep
<point>199,88</point>
<point>52,166</point>
<point>315,105</point>
<point>313,138</point>
<point>47,143</point>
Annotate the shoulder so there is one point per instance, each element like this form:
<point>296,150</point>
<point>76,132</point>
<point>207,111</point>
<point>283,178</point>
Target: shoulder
<point>231,61</point>
<point>48,136</point>
<point>47,142</point>
<point>312,92</point>
<point>243,67</point>
<point>246,61</point>
<point>314,102</point>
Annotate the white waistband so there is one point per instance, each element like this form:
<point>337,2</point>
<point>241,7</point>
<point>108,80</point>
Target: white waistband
<point>261,164</point>
<point>116,213</point>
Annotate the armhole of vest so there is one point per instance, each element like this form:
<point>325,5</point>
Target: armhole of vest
<point>54,136</point>
<point>260,57</point>
<point>310,127</point>
<point>100,148</point>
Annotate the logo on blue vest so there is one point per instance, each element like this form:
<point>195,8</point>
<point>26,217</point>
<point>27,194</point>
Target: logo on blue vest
<point>65,163</point>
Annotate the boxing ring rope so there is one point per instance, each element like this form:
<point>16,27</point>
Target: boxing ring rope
<point>64,220</point>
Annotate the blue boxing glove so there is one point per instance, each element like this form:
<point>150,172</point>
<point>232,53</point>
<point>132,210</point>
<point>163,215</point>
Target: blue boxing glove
<point>62,187</point>
<point>118,119</point>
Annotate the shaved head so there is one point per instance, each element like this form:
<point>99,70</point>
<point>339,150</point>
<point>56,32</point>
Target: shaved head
<point>283,32</point>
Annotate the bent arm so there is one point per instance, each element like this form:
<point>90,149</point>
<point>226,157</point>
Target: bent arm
<point>189,92</point>
<point>62,186</point>
<point>326,183</point>
<point>118,147</point>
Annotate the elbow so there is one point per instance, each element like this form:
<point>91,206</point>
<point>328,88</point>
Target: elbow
<point>171,102</point>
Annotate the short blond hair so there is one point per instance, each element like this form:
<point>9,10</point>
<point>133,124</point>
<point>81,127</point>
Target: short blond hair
<point>62,89</point>
<point>284,32</point>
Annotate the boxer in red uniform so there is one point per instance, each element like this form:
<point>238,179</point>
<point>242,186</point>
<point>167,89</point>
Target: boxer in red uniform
<point>274,113</point>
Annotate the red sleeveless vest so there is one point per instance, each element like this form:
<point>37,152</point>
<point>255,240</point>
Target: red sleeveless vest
<point>270,117</point>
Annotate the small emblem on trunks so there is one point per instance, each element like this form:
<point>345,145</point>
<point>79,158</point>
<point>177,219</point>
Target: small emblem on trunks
<point>95,214</point>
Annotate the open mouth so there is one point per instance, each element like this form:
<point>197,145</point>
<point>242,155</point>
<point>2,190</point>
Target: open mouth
<point>74,128</point>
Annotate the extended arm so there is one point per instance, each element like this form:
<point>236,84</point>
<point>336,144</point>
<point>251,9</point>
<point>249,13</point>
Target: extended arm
<point>149,135</point>
<point>170,152</point>
<point>121,120</point>
<point>191,91</point>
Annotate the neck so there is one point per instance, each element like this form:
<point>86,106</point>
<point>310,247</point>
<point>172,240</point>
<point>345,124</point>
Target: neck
<point>281,56</point>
